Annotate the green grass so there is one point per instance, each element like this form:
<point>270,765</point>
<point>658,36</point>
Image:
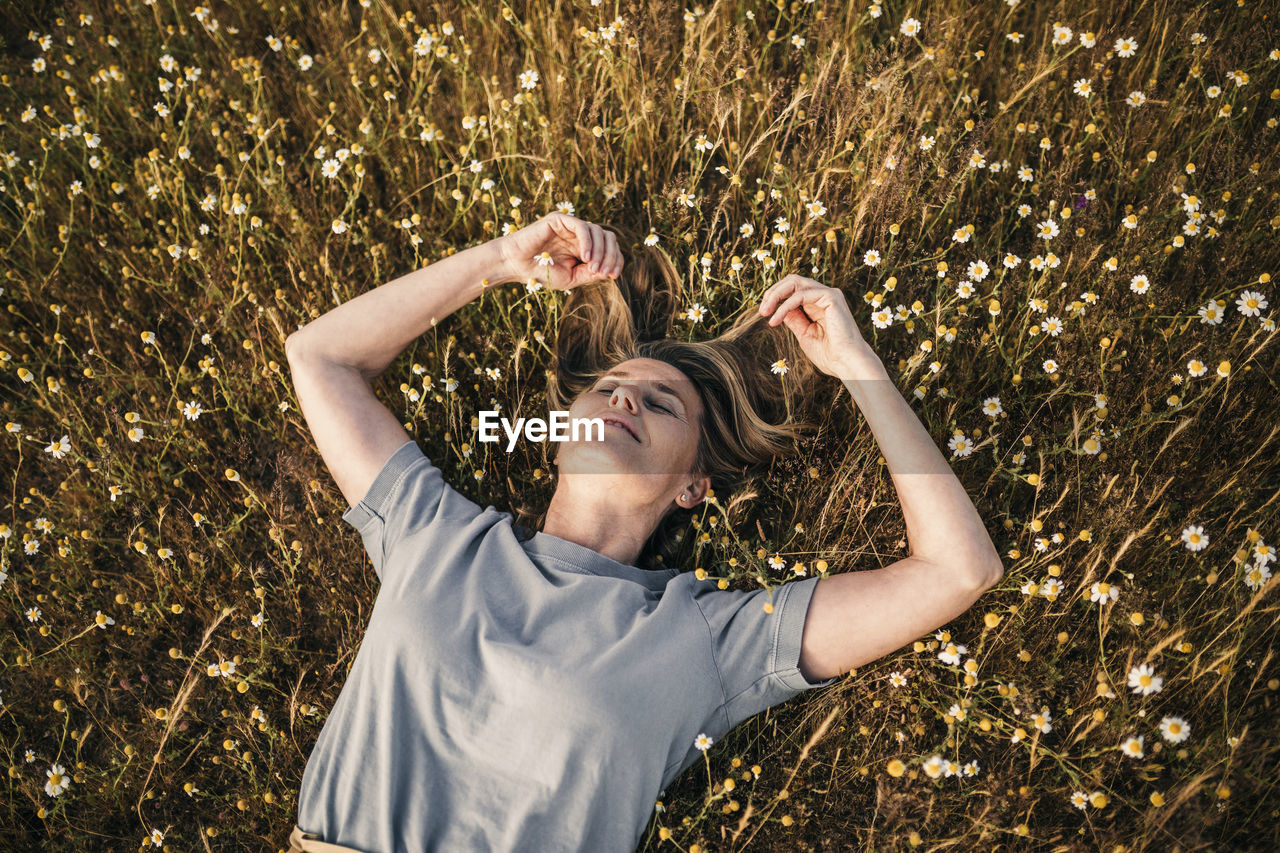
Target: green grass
<point>153,530</point>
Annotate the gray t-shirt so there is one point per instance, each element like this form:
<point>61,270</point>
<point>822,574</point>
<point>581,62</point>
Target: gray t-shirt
<point>528,696</point>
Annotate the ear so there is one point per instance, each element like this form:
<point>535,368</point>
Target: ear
<point>697,490</point>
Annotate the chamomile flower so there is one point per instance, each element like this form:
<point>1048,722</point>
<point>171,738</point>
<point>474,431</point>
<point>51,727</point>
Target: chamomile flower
<point>960,445</point>
<point>58,782</point>
<point>1126,47</point>
<point>1102,592</point>
<point>1143,680</point>
<point>59,447</point>
<point>951,653</point>
<point>1251,303</point>
<point>1210,313</point>
<point>1174,729</point>
<point>1256,576</point>
<point>1132,747</point>
<point>1194,537</point>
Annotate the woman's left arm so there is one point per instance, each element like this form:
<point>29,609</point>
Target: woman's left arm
<point>857,617</point>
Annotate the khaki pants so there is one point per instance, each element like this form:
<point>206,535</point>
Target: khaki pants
<point>309,842</point>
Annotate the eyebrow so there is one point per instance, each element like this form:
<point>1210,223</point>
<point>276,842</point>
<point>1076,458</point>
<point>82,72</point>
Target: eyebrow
<point>661,386</point>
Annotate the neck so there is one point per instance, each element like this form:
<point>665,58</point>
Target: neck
<point>593,518</point>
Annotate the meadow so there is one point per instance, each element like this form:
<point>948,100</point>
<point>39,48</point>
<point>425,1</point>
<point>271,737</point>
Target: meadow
<point>1057,224</point>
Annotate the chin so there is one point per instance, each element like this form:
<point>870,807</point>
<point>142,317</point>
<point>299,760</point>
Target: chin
<point>608,467</point>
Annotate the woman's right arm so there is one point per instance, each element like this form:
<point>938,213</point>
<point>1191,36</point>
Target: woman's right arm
<point>369,332</point>
<point>334,359</point>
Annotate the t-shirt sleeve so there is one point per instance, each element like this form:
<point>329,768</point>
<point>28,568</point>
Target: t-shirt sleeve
<point>408,507</point>
<point>758,653</point>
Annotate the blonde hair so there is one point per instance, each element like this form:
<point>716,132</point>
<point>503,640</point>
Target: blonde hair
<point>745,421</point>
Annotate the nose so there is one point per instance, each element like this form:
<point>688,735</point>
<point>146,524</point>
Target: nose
<point>625,397</point>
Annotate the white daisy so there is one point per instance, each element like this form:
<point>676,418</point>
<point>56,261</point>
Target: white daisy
<point>960,445</point>
<point>1101,592</point>
<point>1174,729</point>
<point>1132,747</point>
<point>1194,537</point>
<point>1143,680</point>
<point>58,782</point>
<point>1251,303</point>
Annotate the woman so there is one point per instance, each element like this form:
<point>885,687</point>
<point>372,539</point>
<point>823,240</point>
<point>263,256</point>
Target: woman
<point>537,693</point>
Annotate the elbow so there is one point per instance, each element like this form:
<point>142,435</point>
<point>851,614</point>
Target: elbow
<point>293,345</point>
<point>989,572</point>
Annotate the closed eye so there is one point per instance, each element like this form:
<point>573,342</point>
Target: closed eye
<point>653,405</point>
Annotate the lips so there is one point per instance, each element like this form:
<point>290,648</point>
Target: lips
<point>611,419</point>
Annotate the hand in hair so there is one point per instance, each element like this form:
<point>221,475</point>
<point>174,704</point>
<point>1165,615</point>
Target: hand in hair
<point>579,251</point>
<point>820,318</point>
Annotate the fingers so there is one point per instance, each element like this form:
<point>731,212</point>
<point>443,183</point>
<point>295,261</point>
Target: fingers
<point>785,287</point>
<point>586,241</point>
<point>597,247</point>
<point>614,254</point>
<point>796,300</point>
<point>780,290</point>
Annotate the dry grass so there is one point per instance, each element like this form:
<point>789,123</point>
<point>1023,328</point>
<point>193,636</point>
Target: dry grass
<point>182,532</point>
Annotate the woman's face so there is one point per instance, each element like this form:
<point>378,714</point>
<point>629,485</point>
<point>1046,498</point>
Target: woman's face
<point>652,413</point>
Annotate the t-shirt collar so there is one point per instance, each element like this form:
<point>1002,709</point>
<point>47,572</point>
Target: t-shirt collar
<point>596,563</point>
